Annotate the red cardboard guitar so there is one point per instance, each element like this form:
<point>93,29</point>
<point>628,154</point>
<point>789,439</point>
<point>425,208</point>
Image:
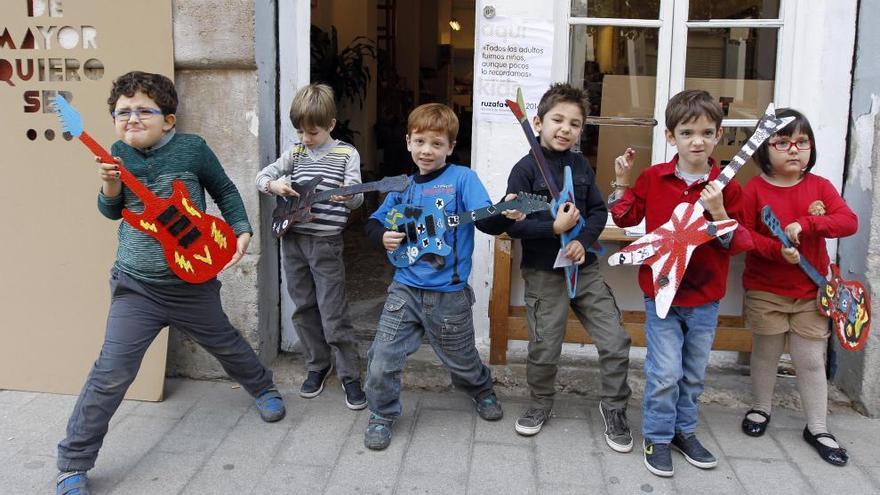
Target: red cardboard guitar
<point>196,245</point>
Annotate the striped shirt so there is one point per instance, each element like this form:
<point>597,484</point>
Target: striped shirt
<point>337,163</point>
<point>184,157</point>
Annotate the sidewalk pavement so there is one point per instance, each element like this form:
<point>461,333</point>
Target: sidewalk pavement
<point>206,437</point>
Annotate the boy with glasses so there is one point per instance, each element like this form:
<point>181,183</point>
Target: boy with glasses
<point>145,294</point>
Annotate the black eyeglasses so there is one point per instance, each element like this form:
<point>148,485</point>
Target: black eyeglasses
<point>784,145</point>
<point>140,113</point>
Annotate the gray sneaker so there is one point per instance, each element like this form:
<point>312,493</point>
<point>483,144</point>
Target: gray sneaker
<point>488,407</point>
<point>378,434</point>
<point>658,458</point>
<point>617,434</point>
<point>531,421</point>
<point>693,451</point>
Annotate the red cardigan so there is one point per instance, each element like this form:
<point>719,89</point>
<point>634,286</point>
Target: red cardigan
<point>766,269</point>
<point>654,196</point>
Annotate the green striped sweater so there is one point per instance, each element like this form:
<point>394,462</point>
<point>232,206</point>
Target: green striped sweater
<point>185,157</point>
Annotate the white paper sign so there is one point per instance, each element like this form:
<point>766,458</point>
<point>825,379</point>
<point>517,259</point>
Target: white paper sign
<point>511,53</point>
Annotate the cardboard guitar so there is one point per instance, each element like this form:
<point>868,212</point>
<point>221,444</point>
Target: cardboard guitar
<point>566,195</point>
<point>196,245</point>
<point>845,302</point>
<point>668,248</point>
<point>291,210</point>
<point>424,226</point>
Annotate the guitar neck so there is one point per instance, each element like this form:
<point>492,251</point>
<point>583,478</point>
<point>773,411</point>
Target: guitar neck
<point>347,190</point>
<point>518,109</point>
<point>767,126</point>
<point>127,178</point>
<point>772,222</point>
<point>481,213</point>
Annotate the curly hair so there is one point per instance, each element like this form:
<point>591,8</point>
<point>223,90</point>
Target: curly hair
<point>158,87</point>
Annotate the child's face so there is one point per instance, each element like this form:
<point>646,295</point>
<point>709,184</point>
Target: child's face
<point>314,137</point>
<point>792,162</point>
<point>141,129</point>
<point>429,149</point>
<point>561,126</point>
<point>695,141</point>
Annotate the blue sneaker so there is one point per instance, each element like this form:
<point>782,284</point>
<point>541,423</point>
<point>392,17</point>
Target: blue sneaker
<point>271,406</point>
<point>378,434</point>
<point>72,483</point>
<point>488,407</point>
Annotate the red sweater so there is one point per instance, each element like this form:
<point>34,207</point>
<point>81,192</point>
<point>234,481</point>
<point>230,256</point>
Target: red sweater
<point>766,269</point>
<point>653,197</point>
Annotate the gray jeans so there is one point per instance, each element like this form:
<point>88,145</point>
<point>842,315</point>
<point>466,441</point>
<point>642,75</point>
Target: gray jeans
<point>316,283</point>
<point>547,304</point>
<point>446,319</point>
<point>138,311</point>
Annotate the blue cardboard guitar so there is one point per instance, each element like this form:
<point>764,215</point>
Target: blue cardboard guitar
<point>425,226</point>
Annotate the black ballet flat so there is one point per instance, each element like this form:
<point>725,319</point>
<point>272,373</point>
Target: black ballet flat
<point>754,428</point>
<point>831,455</point>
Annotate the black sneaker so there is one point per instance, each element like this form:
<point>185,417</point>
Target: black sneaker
<point>658,458</point>
<point>488,406</point>
<point>378,434</point>
<point>693,450</point>
<point>355,398</point>
<point>531,421</point>
<point>617,434</point>
<point>314,384</point>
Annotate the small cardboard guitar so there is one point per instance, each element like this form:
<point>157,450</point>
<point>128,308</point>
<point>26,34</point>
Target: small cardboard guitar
<point>424,226</point>
<point>566,195</point>
<point>845,302</point>
<point>196,245</point>
<point>291,210</point>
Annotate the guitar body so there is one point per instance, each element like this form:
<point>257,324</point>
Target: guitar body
<point>566,195</point>
<point>424,228</point>
<point>848,305</point>
<point>196,245</point>
<point>668,249</point>
<point>291,210</point>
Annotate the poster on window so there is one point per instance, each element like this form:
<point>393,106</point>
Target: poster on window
<point>55,264</point>
<point>511,53</point>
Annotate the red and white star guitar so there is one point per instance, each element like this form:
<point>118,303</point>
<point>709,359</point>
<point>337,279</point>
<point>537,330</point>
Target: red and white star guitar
<point>668,248</point>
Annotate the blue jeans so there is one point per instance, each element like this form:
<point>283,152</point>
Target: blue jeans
<point>675,368</point>
<point>446,319</point>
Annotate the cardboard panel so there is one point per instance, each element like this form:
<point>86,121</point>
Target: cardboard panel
<point>57,249</point>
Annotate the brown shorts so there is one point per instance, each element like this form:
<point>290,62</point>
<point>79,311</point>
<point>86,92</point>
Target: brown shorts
<point>771,314</point>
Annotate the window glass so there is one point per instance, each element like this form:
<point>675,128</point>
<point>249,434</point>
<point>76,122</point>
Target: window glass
<point>735,65</point>
<point>704,10</point>
<point>621,9</point>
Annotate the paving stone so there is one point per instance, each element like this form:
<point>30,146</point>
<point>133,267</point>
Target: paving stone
<point>324,426</point>
<point>502,469</point>
<point>422,483</point>
<point>15,398</point>
<point>627,474</point>
<point>823,476</point>
<point>122,452</point>
<point>441,443</point>
<point>159,473</point>
<point>292,478</point>
<point>725,427</point>
<point>564,454</point>
<point>501,431</point>
<point>28,474</point>
<point>778,477</point>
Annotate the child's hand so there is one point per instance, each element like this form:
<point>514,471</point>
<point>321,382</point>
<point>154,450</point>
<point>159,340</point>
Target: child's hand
<point>791,255</point>
<point>392,239</point>
<point>575,252</point>
<point>793,231</point>
<point>713,200</point>
<point>241,245</point>
<point>341,199</point>
<point>565,220</point>
<point>515,215</point>
<point>281,188</point>
<point>109,171</point>
<point>623,165</point>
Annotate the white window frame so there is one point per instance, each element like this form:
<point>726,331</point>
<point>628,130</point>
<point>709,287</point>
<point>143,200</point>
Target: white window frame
<point>673,26</point>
